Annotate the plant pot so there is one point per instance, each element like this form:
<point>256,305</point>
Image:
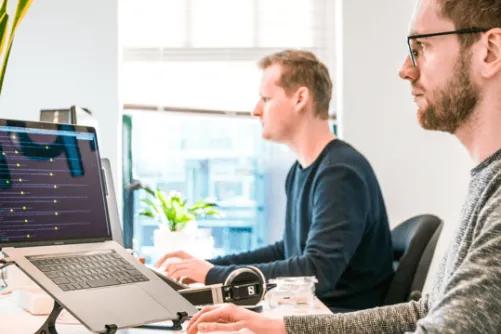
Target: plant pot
<point>193,242</point>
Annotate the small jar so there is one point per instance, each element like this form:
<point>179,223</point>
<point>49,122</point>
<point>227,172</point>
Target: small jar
<point>292,291</point>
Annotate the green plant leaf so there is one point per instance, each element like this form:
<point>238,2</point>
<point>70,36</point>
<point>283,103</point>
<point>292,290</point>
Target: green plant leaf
<point>21,10</point>
<point>150,191</point>
<point>161,196</point>
<point>212,213</point>
<point>166,208</point>
<point>175,210</point>
<point>3,7</point>
<point>199,207</point>
<point>4,21</point>
<point>147,213</point>
<point>151,205</point>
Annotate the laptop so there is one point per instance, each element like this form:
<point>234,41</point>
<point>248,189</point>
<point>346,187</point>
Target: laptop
<point>116,226</point>
<point>54,223</point>
<point>111,202</point>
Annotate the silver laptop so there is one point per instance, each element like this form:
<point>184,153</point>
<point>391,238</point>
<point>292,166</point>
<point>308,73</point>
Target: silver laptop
<point>54,223</point>
<point>111,202</point>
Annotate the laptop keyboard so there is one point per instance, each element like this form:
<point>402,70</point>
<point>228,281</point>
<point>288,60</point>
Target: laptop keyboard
<point>86,271</point>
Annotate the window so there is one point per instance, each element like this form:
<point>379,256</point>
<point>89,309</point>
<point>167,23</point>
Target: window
<point>226,164</point>
<point>218,85</point>
<point>189,81</point>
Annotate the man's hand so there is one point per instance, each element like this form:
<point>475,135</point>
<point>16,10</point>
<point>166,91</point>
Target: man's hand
<point>164,260</point>
<point>180,264</point>
<point>231,318</point>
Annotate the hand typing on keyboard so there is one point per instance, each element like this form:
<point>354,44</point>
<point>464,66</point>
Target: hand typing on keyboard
<point>181,265</point>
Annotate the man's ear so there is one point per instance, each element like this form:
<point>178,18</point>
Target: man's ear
<point>302,98</point>
<point>492,59</point>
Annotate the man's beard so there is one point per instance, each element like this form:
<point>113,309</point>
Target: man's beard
<point>455,103</point>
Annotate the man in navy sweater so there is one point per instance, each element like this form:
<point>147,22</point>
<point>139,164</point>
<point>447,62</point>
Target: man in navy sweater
<point>336,224</point>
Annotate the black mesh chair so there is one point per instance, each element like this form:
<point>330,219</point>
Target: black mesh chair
<point>414,243</point>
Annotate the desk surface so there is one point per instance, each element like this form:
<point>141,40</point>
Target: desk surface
<point>14,319</point>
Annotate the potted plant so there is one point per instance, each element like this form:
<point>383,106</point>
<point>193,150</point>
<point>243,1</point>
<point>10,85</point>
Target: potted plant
<point>177,222</point>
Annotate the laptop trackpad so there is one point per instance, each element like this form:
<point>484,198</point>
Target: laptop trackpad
<point>123,306</point>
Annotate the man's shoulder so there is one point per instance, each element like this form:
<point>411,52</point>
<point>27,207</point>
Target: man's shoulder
<point>490,199</point>
<point>342,155</point>
<point>488,183</point>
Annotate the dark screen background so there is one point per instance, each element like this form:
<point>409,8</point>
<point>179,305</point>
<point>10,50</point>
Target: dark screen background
<point>50,186</point>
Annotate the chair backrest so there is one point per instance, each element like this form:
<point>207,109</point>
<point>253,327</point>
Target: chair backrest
<point>414,243</point>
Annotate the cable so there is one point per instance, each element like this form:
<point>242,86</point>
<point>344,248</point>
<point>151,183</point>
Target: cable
<point>5,263</point>
<point>3,279</point>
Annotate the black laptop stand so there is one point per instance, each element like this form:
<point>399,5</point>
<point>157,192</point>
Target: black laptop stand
<point>49,327</point>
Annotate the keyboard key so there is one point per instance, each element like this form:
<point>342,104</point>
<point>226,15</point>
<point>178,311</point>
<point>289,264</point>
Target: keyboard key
<point>52,274</point>
<point>134,273</point>
<point>77,286</point>
<point>103,282</point>
<point>84,285</point>
<point>129,267</point>
<point>60,280</point>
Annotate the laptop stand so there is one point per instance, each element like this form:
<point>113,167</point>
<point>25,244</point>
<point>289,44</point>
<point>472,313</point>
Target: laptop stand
<point>49,327</point>
<point>176,324</point>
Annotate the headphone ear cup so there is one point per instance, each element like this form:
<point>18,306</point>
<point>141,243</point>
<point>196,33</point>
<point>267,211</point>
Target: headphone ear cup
<point>259,273</point>
<point>248,275</point>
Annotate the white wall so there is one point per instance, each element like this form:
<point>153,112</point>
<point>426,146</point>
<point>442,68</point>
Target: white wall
<point>420,172</point>
<point>65,53</point>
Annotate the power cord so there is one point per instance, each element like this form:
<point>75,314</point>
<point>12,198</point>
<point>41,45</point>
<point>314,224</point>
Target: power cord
<point>6,263</point>
<point>3,280</point>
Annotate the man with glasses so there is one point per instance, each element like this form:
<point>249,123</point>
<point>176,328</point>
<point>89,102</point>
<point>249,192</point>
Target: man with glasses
<point>454,68</point>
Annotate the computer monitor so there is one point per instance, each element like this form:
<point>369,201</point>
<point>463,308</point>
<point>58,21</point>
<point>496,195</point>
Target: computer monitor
<point>64,116</point>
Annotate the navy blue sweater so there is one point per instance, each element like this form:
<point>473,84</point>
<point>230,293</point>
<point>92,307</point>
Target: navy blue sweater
<point>336,229</point>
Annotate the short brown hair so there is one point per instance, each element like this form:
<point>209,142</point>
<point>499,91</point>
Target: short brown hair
<point>302,68</point>
<point>468,14</point>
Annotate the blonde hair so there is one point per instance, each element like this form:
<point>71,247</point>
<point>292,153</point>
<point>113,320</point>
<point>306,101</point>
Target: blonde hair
<point>302,68</point>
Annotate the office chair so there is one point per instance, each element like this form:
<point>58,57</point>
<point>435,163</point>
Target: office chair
<point>414,243</point>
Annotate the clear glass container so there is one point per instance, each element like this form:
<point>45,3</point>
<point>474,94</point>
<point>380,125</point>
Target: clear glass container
<point>292,291</point>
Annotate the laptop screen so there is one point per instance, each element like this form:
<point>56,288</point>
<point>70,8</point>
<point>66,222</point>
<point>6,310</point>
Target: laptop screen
<point>51,186</point>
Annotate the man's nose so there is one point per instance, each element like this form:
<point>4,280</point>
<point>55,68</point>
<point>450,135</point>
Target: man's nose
<point>408,71</point>
<point>257,109</point>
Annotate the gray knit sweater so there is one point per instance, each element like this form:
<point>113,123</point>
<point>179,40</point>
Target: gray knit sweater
<point>466,293</point>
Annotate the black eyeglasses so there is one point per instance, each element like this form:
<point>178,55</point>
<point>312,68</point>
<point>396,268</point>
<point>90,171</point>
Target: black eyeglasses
<point>457,32</point>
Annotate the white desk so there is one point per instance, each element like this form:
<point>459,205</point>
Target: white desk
<point>15,320</point>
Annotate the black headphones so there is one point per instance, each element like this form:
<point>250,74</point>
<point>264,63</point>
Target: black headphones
<point>245,286</point>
